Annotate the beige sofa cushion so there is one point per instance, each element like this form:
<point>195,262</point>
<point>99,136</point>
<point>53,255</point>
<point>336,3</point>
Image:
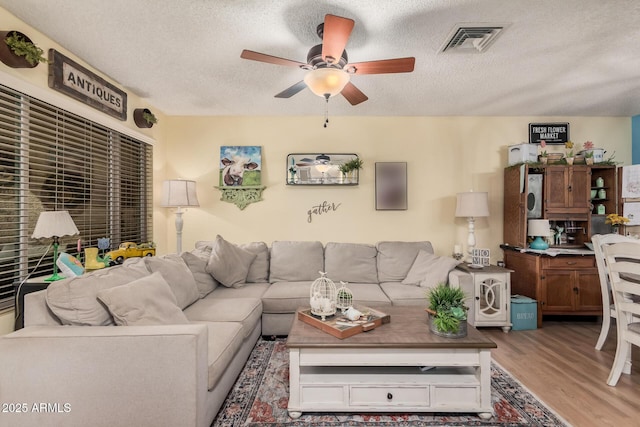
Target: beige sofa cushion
<point>368,294</point>
<point>286,297</point>
<point>259,269</point>
<point>246,311</point>
<point>351,262</point>
<point>198,266</point>
<point>396,258</point>
<point>146,301</point>
<point>74,301</point>
<point>224,341</point>
<point>400,294</point>
<point>295,261</point>
<point>178,276</point>
<point>429,270</point>
<point>228,263</point>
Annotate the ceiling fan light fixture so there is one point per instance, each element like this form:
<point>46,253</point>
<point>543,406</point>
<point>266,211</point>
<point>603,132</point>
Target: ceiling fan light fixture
<point>323,81</point>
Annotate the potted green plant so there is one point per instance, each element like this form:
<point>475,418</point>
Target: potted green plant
<point>144,118</point>
<point>350,169</point>
<point>447,311</point>
<point>18,51</point>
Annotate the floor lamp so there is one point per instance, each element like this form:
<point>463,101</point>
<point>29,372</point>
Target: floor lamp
<point>54,224</point>
<point>178,193</point>
<point>472,205</point>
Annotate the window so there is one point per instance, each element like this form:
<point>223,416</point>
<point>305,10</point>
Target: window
<point>51,159</point>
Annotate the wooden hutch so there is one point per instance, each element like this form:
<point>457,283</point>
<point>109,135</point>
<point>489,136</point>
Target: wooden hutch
<point>565,284</point>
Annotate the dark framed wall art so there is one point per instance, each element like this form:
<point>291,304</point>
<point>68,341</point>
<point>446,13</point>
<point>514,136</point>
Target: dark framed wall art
<point>391,186</point>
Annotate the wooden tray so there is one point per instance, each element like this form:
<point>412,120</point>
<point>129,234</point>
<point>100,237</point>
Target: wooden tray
<point>341,327</point>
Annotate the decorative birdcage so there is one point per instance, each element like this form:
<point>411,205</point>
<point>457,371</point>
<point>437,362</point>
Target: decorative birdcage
<point>323,296</point>
<point>344,297</point>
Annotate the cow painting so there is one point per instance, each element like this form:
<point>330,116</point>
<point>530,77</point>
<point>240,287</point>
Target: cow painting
<point>234,170</point>
<point>240,166</point>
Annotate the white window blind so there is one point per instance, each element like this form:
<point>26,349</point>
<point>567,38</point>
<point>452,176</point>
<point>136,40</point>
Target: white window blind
<point>51,159</point>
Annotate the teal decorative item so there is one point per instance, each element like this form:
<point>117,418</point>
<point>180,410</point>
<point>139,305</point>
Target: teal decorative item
<point>600,182</point>
<point>539,244</point>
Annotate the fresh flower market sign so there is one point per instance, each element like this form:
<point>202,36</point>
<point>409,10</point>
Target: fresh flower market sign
<point>551,133</point>
<point>72,79</point>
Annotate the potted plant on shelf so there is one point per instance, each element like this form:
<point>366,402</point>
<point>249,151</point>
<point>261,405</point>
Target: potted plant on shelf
<point>569,158</point>
<point>18,51</point>
<point>144,118</point>
<point>588,152</point>
<point>350,169</point>
<point>447,312</point>
<point>544,156</point>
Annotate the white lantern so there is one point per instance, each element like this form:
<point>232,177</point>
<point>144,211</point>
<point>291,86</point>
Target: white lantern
<point>323,296</point>
<point>345,297</point>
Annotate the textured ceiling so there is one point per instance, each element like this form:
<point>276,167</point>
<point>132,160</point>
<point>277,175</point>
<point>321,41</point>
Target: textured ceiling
<point>562,58</point>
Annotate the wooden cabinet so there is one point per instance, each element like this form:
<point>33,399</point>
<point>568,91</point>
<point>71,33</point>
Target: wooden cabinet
<point>567,191</point>
<point>561,285</point>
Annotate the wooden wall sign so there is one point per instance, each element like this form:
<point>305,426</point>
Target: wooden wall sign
<point>551,133</point>
<point>72,79</point>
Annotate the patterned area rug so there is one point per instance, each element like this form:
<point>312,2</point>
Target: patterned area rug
<point>260,395</point>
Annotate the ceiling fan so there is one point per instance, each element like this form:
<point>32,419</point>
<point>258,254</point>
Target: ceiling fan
<point>328,66</point>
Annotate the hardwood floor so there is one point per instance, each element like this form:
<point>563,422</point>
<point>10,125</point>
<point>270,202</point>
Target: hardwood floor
<point>560,365</point>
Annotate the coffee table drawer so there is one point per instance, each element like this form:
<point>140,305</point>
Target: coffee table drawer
<point>389,396</point>
<point>445,396</point>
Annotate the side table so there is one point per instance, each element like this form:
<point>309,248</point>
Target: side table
<point>491,290</point>
<point>33,284</point>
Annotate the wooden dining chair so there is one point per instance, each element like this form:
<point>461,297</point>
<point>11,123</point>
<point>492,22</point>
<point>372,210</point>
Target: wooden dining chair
<point>623,264</point>
<point>608,310</point>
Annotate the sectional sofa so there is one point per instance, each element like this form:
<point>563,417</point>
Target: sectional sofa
<point>192,320</point>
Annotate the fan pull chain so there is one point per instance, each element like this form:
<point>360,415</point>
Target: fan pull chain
<point>326,110</point>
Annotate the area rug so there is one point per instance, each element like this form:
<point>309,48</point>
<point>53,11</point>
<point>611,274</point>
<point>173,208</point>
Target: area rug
<point>260,395</point>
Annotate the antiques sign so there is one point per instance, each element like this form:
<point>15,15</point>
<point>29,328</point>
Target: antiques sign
<point>72,79</point>
<point>551,133</point>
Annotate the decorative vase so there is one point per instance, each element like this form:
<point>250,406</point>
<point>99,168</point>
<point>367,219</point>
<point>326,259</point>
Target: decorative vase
<point>8,57</point>
<point>600,182</point>
<point>589,160</point>
<point>569,160</point>
<point>544,160</point>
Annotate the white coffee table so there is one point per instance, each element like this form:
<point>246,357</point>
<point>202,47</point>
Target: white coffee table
<point>379,370</point>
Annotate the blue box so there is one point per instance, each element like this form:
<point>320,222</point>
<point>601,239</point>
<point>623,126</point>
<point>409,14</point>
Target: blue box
<point>524,313</point>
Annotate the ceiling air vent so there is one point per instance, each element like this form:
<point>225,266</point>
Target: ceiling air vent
<point>472,38</point>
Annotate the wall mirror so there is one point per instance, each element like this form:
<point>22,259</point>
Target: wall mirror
<point>323,169</point>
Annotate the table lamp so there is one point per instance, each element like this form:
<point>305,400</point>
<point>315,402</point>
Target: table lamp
<point>539,228</point>
<point>54,224</point>
<point>178,193</point>
<point>472,205</point>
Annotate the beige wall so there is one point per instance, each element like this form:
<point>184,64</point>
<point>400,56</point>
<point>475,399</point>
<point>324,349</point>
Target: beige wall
<point>445,155</point>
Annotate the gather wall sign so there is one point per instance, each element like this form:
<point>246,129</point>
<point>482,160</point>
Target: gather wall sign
<point>322,208</point>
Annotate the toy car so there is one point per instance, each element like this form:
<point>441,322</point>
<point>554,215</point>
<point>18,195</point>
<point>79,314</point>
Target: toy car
<point>131,250</point>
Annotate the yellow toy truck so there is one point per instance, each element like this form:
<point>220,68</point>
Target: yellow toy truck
<point>131,250</point>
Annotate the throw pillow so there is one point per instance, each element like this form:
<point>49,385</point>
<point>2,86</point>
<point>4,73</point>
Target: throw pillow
<point>146,301</point>
<point>428,270</point>
<point>259,270</point>
<point>229,264</point>
<point>198,266</point>
<point>176,273</point>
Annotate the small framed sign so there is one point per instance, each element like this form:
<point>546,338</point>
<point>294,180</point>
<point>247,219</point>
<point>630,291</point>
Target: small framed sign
<point>551,133</point>
<point>481,256</point>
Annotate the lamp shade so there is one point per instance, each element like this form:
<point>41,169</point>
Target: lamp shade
<point>326,81</point>
<point>54,224</point>
<point>179,193</point>
<point>472,204</point>
<point>539,227</point>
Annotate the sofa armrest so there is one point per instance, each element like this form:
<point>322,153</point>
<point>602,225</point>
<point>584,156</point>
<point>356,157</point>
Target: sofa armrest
<point>463,280</point>
<point>105,375</point>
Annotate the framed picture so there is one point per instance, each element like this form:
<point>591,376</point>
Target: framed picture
<point>391,186</point>
<point>240,166</point>
<point>322,169</point>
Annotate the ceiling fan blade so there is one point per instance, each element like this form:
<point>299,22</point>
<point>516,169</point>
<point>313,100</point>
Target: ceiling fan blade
<point>290,91</point>
<point>353,94</point>
<point>335,36</point>
<point>398,65</point>
<point>256,56</point>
